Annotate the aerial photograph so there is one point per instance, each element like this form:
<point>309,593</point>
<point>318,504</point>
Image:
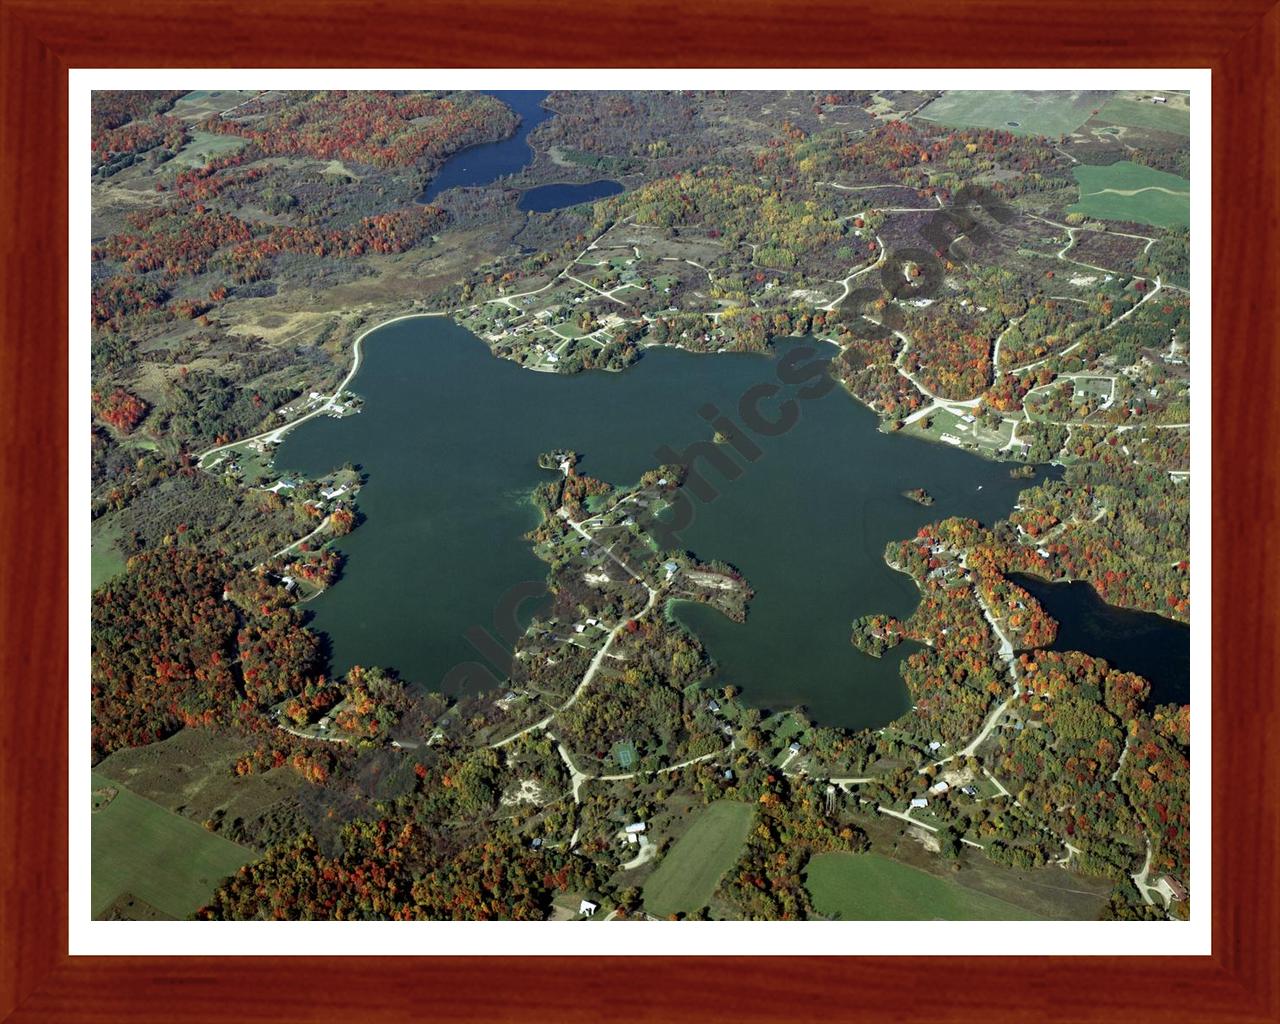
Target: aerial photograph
<point>605,506</point>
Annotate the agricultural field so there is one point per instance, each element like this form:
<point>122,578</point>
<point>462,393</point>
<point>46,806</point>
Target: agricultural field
<point>1172,116</point>
<point>870,887</point>
<point>1024,113</point>
<point>143,851</point>
<point>688,875</point>
<point>1131,192</point>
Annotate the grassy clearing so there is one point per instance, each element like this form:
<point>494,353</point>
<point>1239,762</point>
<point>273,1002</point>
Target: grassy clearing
<point>204,146</point>
<point>197,105</point>
<point>1035,113</point>
<point>105,558</point>
<point>692,868</point>
<point>157,856</point>
<point>1134,113</point>
<point>869,887</point>
<point>1132,192</point>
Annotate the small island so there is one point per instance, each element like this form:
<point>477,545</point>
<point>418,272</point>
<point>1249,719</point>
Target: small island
<point>919,495</point>
<point>875,634</point>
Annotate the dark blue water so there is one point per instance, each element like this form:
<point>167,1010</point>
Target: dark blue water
<point>1156,648</point>
<point>486,163</point>
<point>450,437</point>
<point>546,198</point>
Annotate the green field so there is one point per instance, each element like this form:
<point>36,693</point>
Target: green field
<point>1036,113</point>
<point>155,855</point>
<point>1129,191</point>
<point>869,887</point>
<point>205,145</point>
<point>105,559</point>
<point>1137,114</point>
<point>689,873</point>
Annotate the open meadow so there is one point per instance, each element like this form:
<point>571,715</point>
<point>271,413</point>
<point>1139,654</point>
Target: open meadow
<point>142,850</point>
<point>689,873</point>
<point>869,887</point>
<point>1131,192</point>
<point>1024,113</point>
<point>1137,113</point>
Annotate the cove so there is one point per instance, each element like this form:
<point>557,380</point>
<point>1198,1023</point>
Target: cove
<point>449,437</point>
<point>1156,648</point>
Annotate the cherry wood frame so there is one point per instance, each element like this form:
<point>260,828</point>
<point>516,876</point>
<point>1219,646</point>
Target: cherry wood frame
<point>41,39</point>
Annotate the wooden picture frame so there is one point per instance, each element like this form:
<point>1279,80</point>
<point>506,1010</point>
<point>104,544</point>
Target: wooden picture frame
<point>41,39</point>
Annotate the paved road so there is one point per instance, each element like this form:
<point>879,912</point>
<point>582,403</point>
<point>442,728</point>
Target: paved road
<point>329,402</point>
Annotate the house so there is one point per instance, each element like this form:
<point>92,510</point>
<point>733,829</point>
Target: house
<point>1177,891</point>
<point>934,744</point>
<point>713,706</point>
<point>670,568</point>
<point>632,838</point>
<point>969,791</point>
<point>289,582</point>
<point>728,774</point>
<point>1042,552</point>
<point>593,622</point>
<point>578,627</point>
<point>1159,99</point>
<point>333,492</point>
<point>938,788</point>
<point>794,748</point>
<point>586,908</point>
<point>919,802</point>
<point>324,722</point>
<point>636,827</point>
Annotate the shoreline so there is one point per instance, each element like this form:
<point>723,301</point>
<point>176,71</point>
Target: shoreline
<point>279,432</point>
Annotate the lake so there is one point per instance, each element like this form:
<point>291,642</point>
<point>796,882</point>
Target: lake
<point>546,198</point>
<point>1156,648</point>
<point>486,163</point>
<point>449,437</point>
<point>489,161</point>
